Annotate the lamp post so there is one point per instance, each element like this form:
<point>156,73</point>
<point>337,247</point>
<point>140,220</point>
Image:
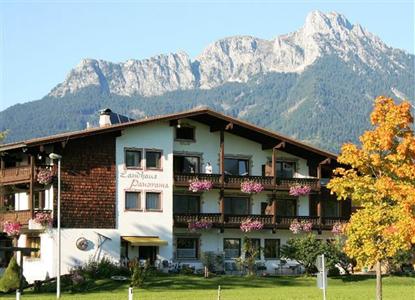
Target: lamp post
<point>54,156</point>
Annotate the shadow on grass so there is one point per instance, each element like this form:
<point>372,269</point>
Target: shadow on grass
<point>186,282</point>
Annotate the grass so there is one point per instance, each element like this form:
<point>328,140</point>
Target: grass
<point>172,287</point>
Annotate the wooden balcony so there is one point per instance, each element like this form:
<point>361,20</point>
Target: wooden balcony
<point>15,175</point>
<point>22,216</point>
<point>234,221</point>
<point>234,181</point>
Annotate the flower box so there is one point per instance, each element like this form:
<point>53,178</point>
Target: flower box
<point>299,190</point>
<point>251,225</point>
<point>200,185</point>
<point>251,187</point>
<point>199,225</point>
<point>45,176</point>
<point>303,226</point>
<point>12,228</point>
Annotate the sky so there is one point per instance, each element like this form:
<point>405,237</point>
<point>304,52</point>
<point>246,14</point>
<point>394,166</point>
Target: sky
<point>41,41</point>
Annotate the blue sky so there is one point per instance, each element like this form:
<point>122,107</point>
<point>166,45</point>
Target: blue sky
<point>41,41</point>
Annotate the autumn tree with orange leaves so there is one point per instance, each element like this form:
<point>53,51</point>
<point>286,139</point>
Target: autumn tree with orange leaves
<point>381,179</point>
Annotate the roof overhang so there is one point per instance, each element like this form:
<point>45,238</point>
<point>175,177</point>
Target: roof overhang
<point>144,240</point>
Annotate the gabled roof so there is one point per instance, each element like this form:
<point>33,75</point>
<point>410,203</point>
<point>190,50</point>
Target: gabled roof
<point>214,119</point>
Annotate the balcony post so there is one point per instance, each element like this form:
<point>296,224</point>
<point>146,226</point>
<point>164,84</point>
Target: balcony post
<point>222,157</point>
<point>31,184</point>
<point>274,208</point>
<point>274,171</point>
<point>222,205</point>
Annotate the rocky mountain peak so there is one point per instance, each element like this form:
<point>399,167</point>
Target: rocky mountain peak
<point>238,58</point>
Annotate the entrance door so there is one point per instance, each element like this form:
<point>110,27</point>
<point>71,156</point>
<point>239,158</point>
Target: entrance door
<point>147,253</point>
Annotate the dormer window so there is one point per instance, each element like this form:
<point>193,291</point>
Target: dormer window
<point>185,133</point>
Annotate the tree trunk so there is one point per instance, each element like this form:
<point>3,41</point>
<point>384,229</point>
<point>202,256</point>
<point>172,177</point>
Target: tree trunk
<point>378,281</point>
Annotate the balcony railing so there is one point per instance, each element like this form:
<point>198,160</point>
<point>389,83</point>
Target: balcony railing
<point>15,175</point>
<point>186,218</point>
<point>21,216</point>
<point>234,221</point>
<point>234,181</point>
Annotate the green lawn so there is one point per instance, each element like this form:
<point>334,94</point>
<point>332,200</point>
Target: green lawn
<point>170,287</point>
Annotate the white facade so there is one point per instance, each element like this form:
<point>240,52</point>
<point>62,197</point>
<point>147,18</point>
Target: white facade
<point>160,136</point>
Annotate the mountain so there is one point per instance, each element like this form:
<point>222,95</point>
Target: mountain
<point>316,84</point>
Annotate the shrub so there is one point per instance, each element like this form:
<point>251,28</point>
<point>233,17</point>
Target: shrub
<point>305,250</point>
<point>103,268</point>
<point>212,260</point>
<point>10,279</point>
<point>139,273</point>
<point>248,260</point>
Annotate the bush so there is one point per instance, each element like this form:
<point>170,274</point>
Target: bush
<point>139,273</point>
<point>305,250</point>
<point>10,279</point>
<point>105,268</point>
<point>212,260</point>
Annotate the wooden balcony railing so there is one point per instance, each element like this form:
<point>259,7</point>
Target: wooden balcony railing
<point>285,183</point>
<point>234,221</point>
<point>186,218</point>
<point>22,216</point>
<point>234,181</point>
<point>238,219</point>
<point>15,175</point>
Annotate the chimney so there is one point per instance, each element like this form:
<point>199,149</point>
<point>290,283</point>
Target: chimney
<point>104,117</point>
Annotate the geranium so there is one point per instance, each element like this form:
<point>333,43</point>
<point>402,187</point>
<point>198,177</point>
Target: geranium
<point>12,228</point>
<point>307,226</point>
<point>43,218</point>
<point>45,176</point>
<point>200,185</point>
<point>303,226</point>
<point>251,187</point>
<point>338,228</point>
<point>295,227</point>
<point>299,190</point>
<point>199,225</point>
<point>251,225</point>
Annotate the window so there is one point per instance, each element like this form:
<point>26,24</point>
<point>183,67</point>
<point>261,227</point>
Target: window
<point>234,166</point>
<point>33,242</point>
<point>153,159</point>
<point>272,249</point>
<point>153,201</point>
<point>286,207</point>
<point>236,205</point>
<point>39,200</point>
<point>285,169</point>
<point>188,204</point>
<point>124,249</point>
<point>186,164</point>
<point>232,248</point>
<point>185,133</point>
<point>256,247</point>
<point>132,200</point>
<point>133,158</point>
<point>332,207</point>
<point>187,248</point>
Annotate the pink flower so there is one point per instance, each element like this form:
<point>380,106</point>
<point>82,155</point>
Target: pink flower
<point>45,176</point>
<point>199,225</point>
<point>200,185</point>
<point>297,227</point>
<point>12,228</point>
<point>299,190</point>
<point>43,218</point>
<point>249,225</point>
<point>251,187</point>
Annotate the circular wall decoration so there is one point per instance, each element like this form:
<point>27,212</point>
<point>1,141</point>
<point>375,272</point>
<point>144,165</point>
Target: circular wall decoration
<point>82,243</point>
